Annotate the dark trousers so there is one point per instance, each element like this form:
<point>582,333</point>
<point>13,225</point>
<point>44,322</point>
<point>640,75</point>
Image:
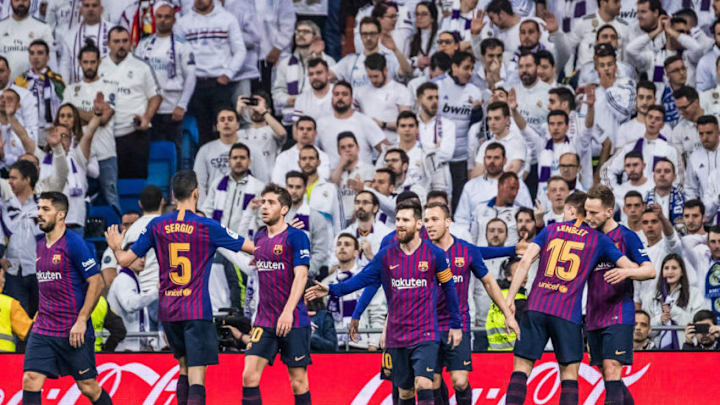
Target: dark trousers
<point>236,293</point>
<point>207,100</point>
<point>459,174</point>
<point>24,289</point>
<point>133,152</point>
<point>165,129</point>
<point>265,69</point>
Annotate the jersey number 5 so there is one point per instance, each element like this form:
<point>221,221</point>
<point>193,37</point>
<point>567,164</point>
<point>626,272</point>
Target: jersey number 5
<point>561,253</point>
<point>182,275</point>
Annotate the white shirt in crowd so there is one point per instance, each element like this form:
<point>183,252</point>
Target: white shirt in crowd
<point>74,40</point>
<point>264,148</point>
<point>16,38</point>
<point>308,104</point>
<point>82,95</point>
<point>351,68</point>
<point>288,160</point>
<point>130,304</point>
<point>366,131</point>
<point>384,103</point>
<point>211,162</point>
<point>456,104</point>
<point>150,275</point>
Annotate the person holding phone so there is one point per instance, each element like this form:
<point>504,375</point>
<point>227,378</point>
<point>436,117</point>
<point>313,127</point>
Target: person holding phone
<point>703,334</point>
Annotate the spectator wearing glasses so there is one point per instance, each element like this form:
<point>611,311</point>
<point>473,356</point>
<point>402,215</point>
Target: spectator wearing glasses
<point>448,42</point>
<point>705,341</point>
<point>685,135</point>
<point>422,43</point>
<point>677,77</point>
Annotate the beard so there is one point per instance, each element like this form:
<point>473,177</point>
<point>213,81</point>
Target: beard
<point>341,108</point>
<point>20,11</point>
<point>362,215</point>
<point>90,74</point>
<point>47,227</point>
<point>527,79</point>
<point>318,84</point>
<point>406,236</point>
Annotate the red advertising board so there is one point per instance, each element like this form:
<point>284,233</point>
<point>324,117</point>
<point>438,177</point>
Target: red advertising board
<point>149,379</point>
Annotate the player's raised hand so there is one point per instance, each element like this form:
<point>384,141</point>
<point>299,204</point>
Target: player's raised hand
<point>454,338</point>
<point>512,326</point>
<point>353,330</point>
<point>297,223</point>
<point>284,324</point>
<point>616,275</point>
<point>319,290</point>
<point>77,333</point>
<point>114,237</point>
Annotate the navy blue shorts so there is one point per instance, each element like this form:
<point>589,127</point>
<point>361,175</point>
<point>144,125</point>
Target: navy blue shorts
<point>413,361</point>
<point>535,330</point>
<point>54,357</point>
<point>614,342</point>
<point>294,348</point>
<point>196,340</point>
<point>454,359</point>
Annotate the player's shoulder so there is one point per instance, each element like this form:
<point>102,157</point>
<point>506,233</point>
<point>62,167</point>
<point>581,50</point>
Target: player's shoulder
<point>73,240</point>
<point>435,249</point>
<point>295,235</point>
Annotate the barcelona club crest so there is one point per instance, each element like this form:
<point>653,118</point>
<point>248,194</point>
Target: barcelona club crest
<point>423,266</point>
<point>278,250</point>
<point>56,258</point>
<point>459,262</point>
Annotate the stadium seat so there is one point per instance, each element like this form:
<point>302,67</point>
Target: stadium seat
<point>162,163</point>
<point>129,193</point>
<point>190,139</point>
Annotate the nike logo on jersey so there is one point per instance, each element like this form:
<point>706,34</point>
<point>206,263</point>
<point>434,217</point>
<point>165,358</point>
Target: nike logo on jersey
<point>466,363</point>
<point>429,370</point>
<point>299,358</point>
<point>392,267</point>
<point>617,352</point>
<point>83,371</point>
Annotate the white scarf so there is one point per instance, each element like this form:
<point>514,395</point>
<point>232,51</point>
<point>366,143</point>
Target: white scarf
<point>221,197</point>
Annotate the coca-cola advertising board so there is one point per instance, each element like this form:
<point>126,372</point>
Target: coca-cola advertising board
<point>353,379</point>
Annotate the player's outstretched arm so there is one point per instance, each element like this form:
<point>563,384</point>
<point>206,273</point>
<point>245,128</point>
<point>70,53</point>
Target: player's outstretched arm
<point>628,269</point>
<point>493,290</point>
<point>285,321</point>
<point>77,333</point>
<point>532,251</point>
<point>369,275</point>
<point>114,240</point>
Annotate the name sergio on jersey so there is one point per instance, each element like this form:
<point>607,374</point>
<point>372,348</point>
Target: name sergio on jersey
<point>269,265</point>
<point>179,227</point>
<point>408,283</point>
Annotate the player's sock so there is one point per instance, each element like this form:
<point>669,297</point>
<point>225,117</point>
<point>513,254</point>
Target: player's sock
<point>444,394</point>
<point>396,396</point>
<point>409,401</point>
<point>464,396</point>
<point>627,395</point>
<point>303,399</point>
<point>425,397</point>
<point>181,390</point>
<point>251,396</point>
<point>104,399</point>
<point>437,395</point>
<point>32,397</point>
<point>516,389</point>
<point>613,393</point>
<point>568,392</point>
<point>196,395</point>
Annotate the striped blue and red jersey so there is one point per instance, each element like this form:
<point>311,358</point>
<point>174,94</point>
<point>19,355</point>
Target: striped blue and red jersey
<point>410,282</point>
<point>465,260</point>
<point>569,251</point>
<point>62,271</point>
<point>611,304</point>
<point>276,258</point>
<point>185,244</point>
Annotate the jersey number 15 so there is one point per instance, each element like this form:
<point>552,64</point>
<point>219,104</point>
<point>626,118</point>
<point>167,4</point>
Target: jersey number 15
<point>180,276</point>
<point>561,253</point>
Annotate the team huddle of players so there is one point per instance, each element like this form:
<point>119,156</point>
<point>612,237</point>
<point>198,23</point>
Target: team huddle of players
<point>426,331</point>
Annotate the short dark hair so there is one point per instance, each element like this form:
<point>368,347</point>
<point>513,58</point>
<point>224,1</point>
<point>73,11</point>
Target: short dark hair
<point>561,113</point>
<point>695,203</point>
<point>295,174</point>
<point>388,172</point>
<point>655,5</point>
<point>577,201</point>
<point>437,194</point>
<point>89,47</point>
<point>714,24</point>
<point>403,155</point>
<point>687,13</point>
<point>406,115</point>
<point>604,49</point>
<point>686,92</point>
<point>425,87</point>
<point>410,205</point>
<point>602,193</point>
<point>603,28</point>
<point>346,134</point>
<point>460,56</point>
<point>544,54</point>
<point>57,199</point>
<point>658,108</point>
<point>407,195</point>
<point>558,178</point>
<point>672,59</point>
<point>714,229</point>
<point>496,219</point>
<point>642,312</point>
<point>307,147</point>
<point>495,145</point>
<point>283,195</point>
<point>703,315</point>
<point>224,108</point>
<point>565,95</point>
<point>307,118</point>
<point>150,198</point>
<point>117,28</point>
<point>496,6</point>
<point>183,184</point>
<point>707,119</point>
<point>663,160</point>
<point>344,84</point>
<point>633,194</point>
<point>42,43</point>
<point>647,85</point>
<point>507,176</point>
<point>525,210</point>
<point>4,59</point>
<point>525,53</point>
<point>490,43</point>
<point>27,170</point>
<point>351,236</point>
<point>440,60</point>
<point>373,197</point>
<point>240,146</point>
<point>375,61</point>
<point>499,105</point>
<point>317,61</point>
<point>633,154</point>
<point>445,209</point>
<point>370,20</point>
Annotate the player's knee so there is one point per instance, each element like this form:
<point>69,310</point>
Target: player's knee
<point>32,381</point>
<point>406,394</point>
<point>423,383</point>
<point>299,385</point>
<point>459,380</point>
<point>89,388</point>
<point>437,381</point>
<point>251,378</point>
<point>611,369</point>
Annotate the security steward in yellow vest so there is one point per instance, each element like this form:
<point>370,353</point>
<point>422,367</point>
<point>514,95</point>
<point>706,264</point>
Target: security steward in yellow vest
<point>103,317</point>
<point>14,321</point>
<point>498,337</point>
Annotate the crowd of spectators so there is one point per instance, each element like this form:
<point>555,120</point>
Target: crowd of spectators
<point>499,108</point>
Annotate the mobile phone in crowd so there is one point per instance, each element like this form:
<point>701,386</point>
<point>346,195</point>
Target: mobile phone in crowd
<point>702,328</point>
